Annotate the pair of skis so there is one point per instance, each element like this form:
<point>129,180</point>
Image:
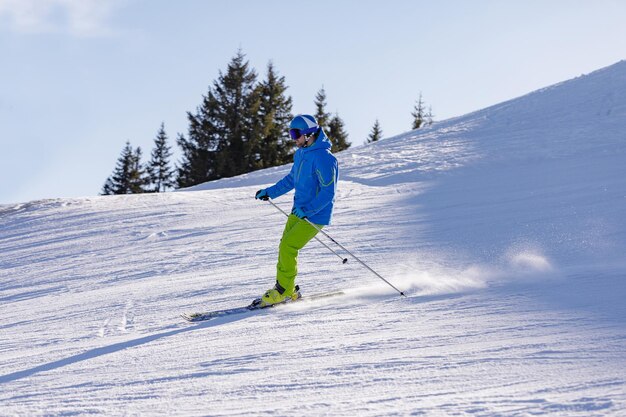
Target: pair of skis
<point>209,315</point>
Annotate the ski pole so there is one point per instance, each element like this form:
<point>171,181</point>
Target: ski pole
<point>342,247</point>
<point>354,256</point>
<point>343,260</point>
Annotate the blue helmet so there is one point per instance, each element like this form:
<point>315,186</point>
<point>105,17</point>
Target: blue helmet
<point>302,124</point>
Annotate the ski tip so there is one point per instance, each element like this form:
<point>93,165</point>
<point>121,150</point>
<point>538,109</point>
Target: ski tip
<point>191,317</point>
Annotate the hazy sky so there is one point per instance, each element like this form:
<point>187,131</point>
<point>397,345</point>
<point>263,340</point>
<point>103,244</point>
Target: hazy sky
<point>81,77</point>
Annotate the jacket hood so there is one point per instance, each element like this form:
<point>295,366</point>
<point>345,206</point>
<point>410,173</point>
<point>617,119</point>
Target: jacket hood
<point>322,142</point>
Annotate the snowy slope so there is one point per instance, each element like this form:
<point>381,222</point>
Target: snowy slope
<point>506,227</point>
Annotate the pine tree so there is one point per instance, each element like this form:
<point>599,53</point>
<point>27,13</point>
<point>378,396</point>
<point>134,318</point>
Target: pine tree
<point>129,174</point>
<point>239,102</point>
<point>322,117</point>
<point>332,125</point>
<point>224,130</point>
<point>199,150</point>
<point>429,118</point>
<point>419,113</point>
<point>119,181</point>
<point>138,176</point>
<point>376,134</point>
<point>159,172</point>
<point>274,115</point>
<point>337,134</point>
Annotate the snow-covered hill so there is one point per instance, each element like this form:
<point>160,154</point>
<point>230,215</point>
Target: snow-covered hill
<point>506,228</point>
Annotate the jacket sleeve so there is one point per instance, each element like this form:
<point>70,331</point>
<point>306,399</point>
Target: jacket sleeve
<point>283,186</point>
<point>326,173</point>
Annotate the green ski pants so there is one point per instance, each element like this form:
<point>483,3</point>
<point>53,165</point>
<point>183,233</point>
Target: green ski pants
<point>297,234</point>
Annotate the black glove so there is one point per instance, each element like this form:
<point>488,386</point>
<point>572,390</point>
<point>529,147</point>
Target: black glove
<point>262,195</point>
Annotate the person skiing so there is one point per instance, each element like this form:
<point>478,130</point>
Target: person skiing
<point>313,175</point>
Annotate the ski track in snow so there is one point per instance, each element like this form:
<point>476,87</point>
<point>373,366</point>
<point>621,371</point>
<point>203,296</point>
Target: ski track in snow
<point>505,227</point>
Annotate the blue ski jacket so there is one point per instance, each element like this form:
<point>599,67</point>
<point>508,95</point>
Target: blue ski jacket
<point>314,176</point>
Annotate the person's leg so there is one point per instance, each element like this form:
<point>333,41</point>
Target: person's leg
<point>297,234</point>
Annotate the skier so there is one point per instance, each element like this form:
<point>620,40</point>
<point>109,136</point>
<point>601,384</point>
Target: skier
<point>314,176</point>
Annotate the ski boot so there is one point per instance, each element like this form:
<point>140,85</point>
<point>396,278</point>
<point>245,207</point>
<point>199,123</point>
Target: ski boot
<point>276,295</point>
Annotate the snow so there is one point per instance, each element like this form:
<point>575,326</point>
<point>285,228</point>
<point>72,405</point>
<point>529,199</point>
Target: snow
<point>505,227</point>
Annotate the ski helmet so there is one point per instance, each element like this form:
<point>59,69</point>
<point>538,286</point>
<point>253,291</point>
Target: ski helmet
<point>302,124</point>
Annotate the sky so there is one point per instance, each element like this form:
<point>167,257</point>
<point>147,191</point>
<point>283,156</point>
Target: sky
<point>79,78</point>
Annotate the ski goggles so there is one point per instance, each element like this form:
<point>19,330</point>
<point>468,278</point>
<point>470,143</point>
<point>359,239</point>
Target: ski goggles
<point>295,133</point>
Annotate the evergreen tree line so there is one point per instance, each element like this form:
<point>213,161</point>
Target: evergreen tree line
<point>240,126</point>
<point>131,176</point>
